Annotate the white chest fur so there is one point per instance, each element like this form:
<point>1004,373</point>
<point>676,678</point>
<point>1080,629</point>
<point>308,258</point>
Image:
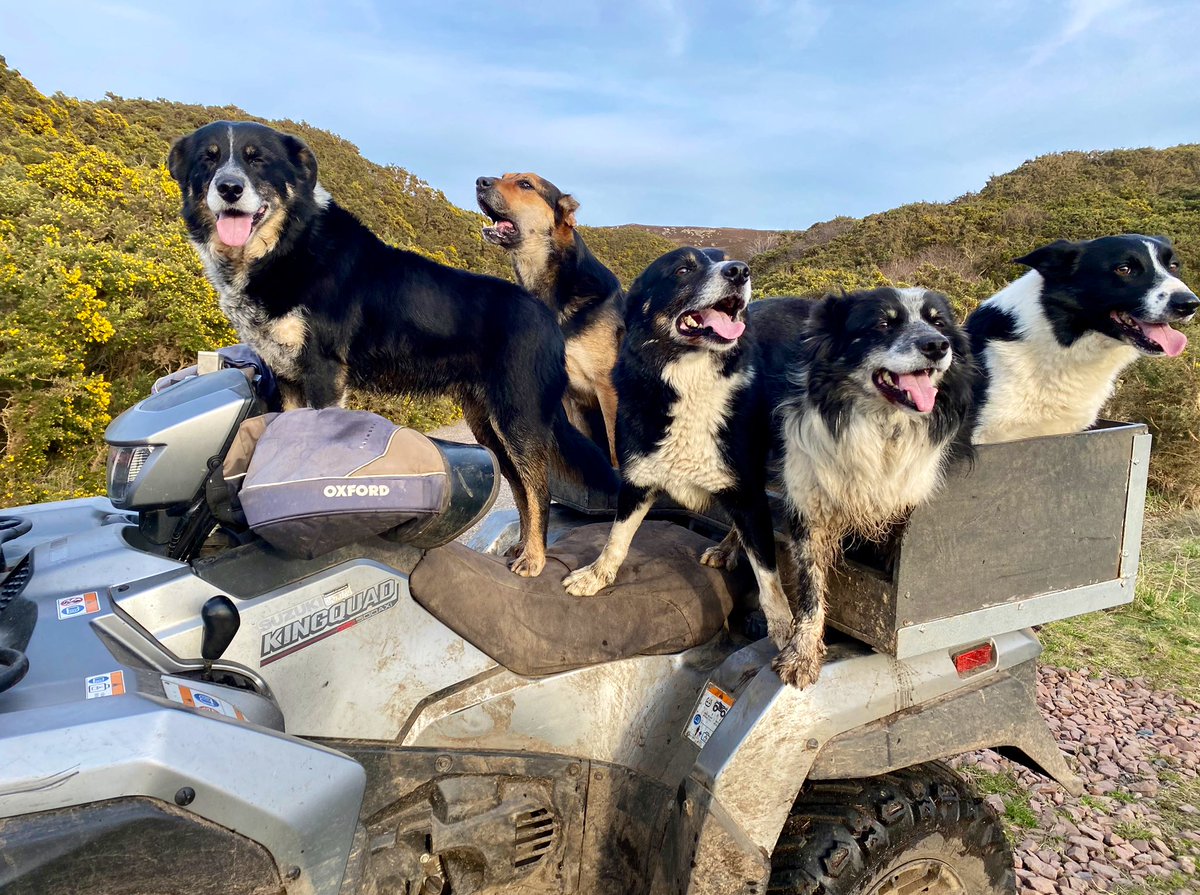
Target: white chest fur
<point>688,462</point>
<point>278,341</point>
<point>882,464</point>
<point>1039,387</point>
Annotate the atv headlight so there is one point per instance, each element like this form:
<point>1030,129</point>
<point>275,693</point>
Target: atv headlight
<point>125,463</point>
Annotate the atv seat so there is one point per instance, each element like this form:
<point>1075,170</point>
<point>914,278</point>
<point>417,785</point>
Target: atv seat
<point>663,601</point>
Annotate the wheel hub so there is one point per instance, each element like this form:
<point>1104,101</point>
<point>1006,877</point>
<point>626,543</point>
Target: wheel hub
<point>927,876</point>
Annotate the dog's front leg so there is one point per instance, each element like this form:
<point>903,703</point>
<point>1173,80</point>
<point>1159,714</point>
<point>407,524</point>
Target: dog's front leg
<point>323,380</point>
<point>814,549</point>
<point>753,525</point>
<point>632,505</point>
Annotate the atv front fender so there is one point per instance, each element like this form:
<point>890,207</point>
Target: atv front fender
<point>867,714</point>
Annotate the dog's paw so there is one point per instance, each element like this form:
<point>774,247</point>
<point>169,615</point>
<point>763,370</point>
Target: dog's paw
<point>585,582</point>
<point>799,664</point>
<point>720,557</point>
<point>526,565</point>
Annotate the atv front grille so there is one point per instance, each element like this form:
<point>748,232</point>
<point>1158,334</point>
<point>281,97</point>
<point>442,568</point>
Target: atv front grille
<point>533,836</point>
<point>14,582</point>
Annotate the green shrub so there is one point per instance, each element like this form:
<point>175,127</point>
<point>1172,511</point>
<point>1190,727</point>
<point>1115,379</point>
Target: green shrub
<point>965,249</point>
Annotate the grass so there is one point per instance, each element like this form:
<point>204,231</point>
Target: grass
<point>1017,813</point>
<point>1157,636</point>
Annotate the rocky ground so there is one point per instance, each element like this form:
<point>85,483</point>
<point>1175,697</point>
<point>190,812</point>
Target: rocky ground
<point>1137,828</point>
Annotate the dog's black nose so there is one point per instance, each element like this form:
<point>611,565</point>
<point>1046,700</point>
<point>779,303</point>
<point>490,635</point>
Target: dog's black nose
<point>483,183</point>
<point>934,348</point>
<point>737,272</point>
<point>1184,304</point>
<point>230,189</point>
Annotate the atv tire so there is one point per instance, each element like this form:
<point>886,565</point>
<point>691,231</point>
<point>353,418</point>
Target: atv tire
<point>918,830</point>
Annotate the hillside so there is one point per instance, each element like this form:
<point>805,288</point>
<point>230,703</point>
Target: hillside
<point>964,248</point>
<point>101,293</point>
<point>735,242</point>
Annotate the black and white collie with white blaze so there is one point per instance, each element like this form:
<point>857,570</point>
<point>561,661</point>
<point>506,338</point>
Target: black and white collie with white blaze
<point>1052,343</point>
<point>873,403</point>
<point>329,305</point>
<point>692,419</point>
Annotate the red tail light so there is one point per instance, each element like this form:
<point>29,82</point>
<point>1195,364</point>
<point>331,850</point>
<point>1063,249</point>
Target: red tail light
<point>976,657</point>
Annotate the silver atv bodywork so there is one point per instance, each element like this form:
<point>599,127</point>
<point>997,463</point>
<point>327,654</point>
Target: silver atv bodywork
<point>360,717</point>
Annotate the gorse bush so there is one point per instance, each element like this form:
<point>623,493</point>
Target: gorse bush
<point>101,293</point>
<point>965,249</point>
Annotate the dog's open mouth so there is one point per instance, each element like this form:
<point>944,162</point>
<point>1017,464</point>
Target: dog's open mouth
<point>1152,338</point>
<point>718,323</point>
<point>914,390</point>
<point>234,227</point>
<point>502,232</point>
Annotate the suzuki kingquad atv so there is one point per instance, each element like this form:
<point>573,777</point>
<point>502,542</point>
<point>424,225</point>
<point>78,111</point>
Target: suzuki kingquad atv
<point>185,709</point>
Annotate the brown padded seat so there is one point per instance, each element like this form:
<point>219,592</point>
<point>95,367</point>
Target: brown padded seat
<point>663,601</point>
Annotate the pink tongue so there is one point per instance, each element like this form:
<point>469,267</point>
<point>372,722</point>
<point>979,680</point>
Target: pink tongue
<point>505,227</point>
<point>234,229</point>
<point>1172,341</point>
<point>721,323</point>
<point>919,388</point>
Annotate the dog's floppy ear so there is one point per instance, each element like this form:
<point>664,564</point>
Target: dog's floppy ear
<point>1059,258</point>
<point>302,157</point>
<point>177,160</point>
<point>564,210</point>
<point>828,317</point>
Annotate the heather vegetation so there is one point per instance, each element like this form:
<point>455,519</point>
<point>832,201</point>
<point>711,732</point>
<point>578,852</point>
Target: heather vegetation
<point>101,293</point>
<point>965,249</point>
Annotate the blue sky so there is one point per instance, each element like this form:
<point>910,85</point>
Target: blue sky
<point>763,113</point>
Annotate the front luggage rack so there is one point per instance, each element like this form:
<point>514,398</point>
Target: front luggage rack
<point>14,582</point>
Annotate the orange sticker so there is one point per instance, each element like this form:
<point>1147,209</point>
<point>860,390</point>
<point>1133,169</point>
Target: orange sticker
<point>110,684</point>
<point>80,604</point>
<point>197,699</point>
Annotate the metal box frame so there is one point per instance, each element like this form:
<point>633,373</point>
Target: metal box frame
<point>1037,530</point>
<point>1034,531</point>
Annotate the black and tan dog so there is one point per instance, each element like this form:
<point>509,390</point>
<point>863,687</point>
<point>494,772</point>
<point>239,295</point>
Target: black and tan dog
<point>327,304</point>
<point>534,222</point>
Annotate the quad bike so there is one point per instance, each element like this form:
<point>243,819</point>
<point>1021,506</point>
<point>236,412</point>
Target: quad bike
<point>185,709</point>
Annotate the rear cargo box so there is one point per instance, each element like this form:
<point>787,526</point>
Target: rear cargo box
<point>1037,530</point>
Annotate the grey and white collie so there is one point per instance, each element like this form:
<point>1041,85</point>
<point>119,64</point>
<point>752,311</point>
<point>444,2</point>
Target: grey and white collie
<point>872,405</point>
<point>1052,344</point>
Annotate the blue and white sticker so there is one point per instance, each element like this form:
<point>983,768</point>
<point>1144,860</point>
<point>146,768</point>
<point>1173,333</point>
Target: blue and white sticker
<point>710,711</point>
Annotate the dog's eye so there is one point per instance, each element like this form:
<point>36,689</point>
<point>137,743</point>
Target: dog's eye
<point>525,184</point>
<point>680,271</point>
<point>1124,270</point>
<point>1173,267</point>
<point>937,321</point>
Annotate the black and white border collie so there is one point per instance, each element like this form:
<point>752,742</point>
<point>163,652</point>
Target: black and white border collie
<point>691,417</point>
<point>1052,343</point>
<point>327,304</point>
<point>872,404</point>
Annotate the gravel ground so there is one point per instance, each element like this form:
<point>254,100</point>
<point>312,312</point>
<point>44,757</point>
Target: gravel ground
<point>1134,747</point>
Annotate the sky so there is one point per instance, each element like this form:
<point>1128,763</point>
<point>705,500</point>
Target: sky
<point>760,113</point>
